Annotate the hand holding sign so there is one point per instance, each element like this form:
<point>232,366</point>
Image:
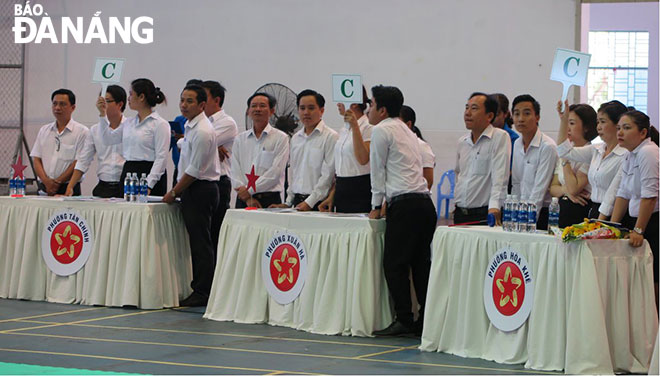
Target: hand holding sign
<point>107,71</point>
<point>346,89</point>
<point>570,68</point>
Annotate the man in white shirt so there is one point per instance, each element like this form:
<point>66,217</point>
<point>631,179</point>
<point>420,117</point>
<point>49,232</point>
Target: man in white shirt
<point>482,163</point>
<point>534,158</point>
<point>110,159</point>
<point>396,176</point>
<point>199,171</point>
<point>225,132</point>
<point>259,157</point>
<point>312,160</point>
<point>409,117</point>
<point>58,146</point>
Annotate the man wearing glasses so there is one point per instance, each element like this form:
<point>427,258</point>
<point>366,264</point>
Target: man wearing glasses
<point>58,146</point>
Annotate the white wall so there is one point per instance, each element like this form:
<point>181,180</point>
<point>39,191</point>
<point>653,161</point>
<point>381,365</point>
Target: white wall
<point>437,52</point>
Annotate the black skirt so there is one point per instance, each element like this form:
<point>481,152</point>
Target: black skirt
<point>353,194</point>
<point>571,213</point>
<point>141,167</point>
<point>651,235</point>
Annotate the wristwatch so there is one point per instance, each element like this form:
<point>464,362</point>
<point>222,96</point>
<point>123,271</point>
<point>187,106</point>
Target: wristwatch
<point>638,230</point>
<point>377,207</point>
<point>173,192</point>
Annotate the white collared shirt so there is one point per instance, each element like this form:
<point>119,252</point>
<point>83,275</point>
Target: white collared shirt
<point>428,158</point>
<point>639,176</point>
<point>225,133</point>
<point>148,140</point>
<point>268,155</point>
<point>312,164</point>
<point>71,143</point>
<point>482,169</point>
<point>199,151</point>
<point>396,163</point>
<point>533,170</point>
<point>603,173</point>
<point>110,159</point>
<point>346,165</point>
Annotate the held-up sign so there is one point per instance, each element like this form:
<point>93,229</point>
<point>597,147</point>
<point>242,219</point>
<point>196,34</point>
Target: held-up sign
<point>107,71</point>
<point>347,88</point>
<point>570,68</point>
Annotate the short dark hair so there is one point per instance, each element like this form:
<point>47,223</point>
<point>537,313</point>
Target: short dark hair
<point>216,90</point>
<point>320,101</point>
<point>365,100</point>
<point>194,81</point>
<point>613,110</point>
<point>589,119</point>
<point>490,103</point>
<point>389,97</point>
<point>67,92</point>
<point>118,95</point>
<point>527,98</point>
<point>642,121</point>
<point>201,93</point>
<point>502,102</point>
<point>271,100</point>
<point>407,114</point>
<point>152,94</point>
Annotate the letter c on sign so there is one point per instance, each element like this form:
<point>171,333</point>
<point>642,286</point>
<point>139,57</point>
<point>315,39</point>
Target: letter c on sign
<point>103,71</point>
<point>343,88</point>
<point>567,62</point>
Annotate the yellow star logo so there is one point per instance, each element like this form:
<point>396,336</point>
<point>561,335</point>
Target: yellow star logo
<point>507,288</point>
<point>66,242</point>
<point>289,262</point>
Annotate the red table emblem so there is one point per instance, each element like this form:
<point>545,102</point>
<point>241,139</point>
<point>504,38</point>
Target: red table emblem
<point>284,267</point>
<point>66,242</point>
<point>508,288</point>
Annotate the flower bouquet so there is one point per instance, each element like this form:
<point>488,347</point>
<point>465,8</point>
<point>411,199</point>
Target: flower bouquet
<point>593,229</point>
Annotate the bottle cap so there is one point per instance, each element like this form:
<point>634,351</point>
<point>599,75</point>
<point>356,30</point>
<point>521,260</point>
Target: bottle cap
<point>491,220</point>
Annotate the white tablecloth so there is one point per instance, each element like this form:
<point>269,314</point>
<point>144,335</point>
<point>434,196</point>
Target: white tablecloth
<point>345,290</point>
<point>593,311</point>
<point>140,255</point>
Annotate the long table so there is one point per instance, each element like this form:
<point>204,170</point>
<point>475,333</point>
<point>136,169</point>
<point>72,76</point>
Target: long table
<point>140,255</point>
<point>345,290</point>
<point>593,306</point>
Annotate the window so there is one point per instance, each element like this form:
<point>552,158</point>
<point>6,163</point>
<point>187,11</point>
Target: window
<point>619,68</point>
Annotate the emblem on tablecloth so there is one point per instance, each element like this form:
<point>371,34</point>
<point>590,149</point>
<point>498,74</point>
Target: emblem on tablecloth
<point>284,267</point>
<point>66,242</point>
<point>508,290</point>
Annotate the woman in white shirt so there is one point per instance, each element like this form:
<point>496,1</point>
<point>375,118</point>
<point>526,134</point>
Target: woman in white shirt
<point>145,138</point>
<point>352,190</point>
<point>570,182</point>
<point>638,190</point>
<point>604,159</point>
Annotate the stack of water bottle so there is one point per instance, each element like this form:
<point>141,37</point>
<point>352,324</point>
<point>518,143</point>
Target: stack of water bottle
<point>520,216</point>
<point>135,190</point>
<point>17,186</point>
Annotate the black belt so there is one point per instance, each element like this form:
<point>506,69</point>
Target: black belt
<point>300,197</point>
<point>260,195</point>
<point>111,183</point>
<point>471,211</point>
<point>224,178</point>
<point>407,196</point>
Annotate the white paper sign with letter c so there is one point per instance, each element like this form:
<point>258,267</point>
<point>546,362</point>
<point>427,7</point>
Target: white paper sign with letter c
<point>347,88</point>
<point>570,68</point>
<point>107,70</point>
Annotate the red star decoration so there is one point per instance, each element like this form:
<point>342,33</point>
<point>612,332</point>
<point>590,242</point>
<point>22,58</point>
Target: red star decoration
<point>18,168</point>
<point>252,180</point>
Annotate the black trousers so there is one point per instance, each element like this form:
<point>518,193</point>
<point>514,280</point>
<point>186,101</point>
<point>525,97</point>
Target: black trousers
<point>298,198</point>
<point>410,227</point>
<point>62,189</point>
<point>651,235</point>
<point>199,203</point>
<point>265,199</point>
<point>353,194</point>
<point>144,167</point>
<point>108,189</point>
<point>224,197</point>
<point>571,213</point>
<point>462,215</point>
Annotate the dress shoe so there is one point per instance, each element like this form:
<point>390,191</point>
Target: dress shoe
<point>397,328</point>
<point>194,300</point>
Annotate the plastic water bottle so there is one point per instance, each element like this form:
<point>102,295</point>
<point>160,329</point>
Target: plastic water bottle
<point>506,213</point>
<point>522,216</point>
<point>12,187</point>
<point>144,188</point>
<point>127,187</point>
<point>20,186</point>
<point>553,216</point>
<point>513,226</point>
<point>134,188</point>
<point>531,217</point>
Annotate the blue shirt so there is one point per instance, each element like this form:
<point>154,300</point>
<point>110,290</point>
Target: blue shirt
<point>514,136</point>
<point>175,150</point>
